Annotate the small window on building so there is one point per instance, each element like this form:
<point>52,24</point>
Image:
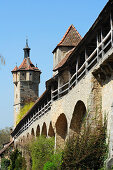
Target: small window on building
<point>16,96</point>
<point>30,74</point>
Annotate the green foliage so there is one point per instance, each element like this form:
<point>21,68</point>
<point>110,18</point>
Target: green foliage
<point>87,150</point>
<point>17,162</point>
<point>55,161</point>
<point>4,136</point>
<point>23,111</point>
<point>49,166</point>
<point>5,163</point>
<point>41,151</point>
<point>20,163</point>
<point>56,158</point>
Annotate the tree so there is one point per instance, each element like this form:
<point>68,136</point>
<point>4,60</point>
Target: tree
<point>4,136</point>
<point>17,162</point>
<point>41,151</point>
<point>5,163</point>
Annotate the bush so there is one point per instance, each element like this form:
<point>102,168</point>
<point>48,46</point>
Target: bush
<point>5,163</point>
<point>41,151</point>
<point>49,166</point>
<point>88,150</point>
<point>4,136</point>
<point>17,162</point>
<point>55,161</point>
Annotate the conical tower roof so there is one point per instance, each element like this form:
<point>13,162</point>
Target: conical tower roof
<point>26,63</point>
<point>71,38</point>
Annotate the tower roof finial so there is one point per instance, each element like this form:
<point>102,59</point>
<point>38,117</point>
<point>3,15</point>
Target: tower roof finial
<point>27,42</point>
<point>26,49</point>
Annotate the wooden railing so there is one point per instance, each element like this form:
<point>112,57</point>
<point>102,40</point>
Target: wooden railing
<point>94,58</point>
<point>35,117</point>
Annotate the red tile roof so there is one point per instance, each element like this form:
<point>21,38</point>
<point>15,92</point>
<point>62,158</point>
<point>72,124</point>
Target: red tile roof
<point>71,38</point>
<point>15,69</point>
<point>26,65</point>
<point>63,61</point>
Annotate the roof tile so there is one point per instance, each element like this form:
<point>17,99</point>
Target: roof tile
<point>15,69</point>
<point>26,65</point>
<point>71,38</point>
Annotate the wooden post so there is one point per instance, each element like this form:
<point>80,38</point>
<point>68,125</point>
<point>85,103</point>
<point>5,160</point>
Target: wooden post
<point>97,48</point>
<point>77,69</point>
<point>28,122</point>
<point>58,87</point>
<point>102,43</point>
<point>44,108</point>
<point>111,23</point>
<point>69,74</point>
<point>86,63</point>
<point>51,94</point>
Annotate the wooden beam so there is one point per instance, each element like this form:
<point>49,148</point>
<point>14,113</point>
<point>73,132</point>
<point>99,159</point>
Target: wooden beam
<point>97,48</point>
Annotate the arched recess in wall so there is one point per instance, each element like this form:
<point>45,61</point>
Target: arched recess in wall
<point>32,133</point>
<point>28,135</point>
<point>77,118</point>
<point>61,130</point>
<point>23,139</point>
<point>44,129</point>
<point>19,144</point>
<point>51,130</point>
<point>27,138</point>
<point>38,131</point>
<point>23,142</point>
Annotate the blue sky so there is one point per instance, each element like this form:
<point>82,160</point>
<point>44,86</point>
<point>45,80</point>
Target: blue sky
<point>44,22</point>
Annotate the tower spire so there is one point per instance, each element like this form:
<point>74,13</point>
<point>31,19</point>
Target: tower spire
<point>26,50</point>
<point>26,42</point>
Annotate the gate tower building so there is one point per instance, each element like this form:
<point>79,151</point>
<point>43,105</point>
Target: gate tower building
<point>26,79</point>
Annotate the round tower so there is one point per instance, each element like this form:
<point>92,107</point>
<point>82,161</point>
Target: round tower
<point>26,79</point>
